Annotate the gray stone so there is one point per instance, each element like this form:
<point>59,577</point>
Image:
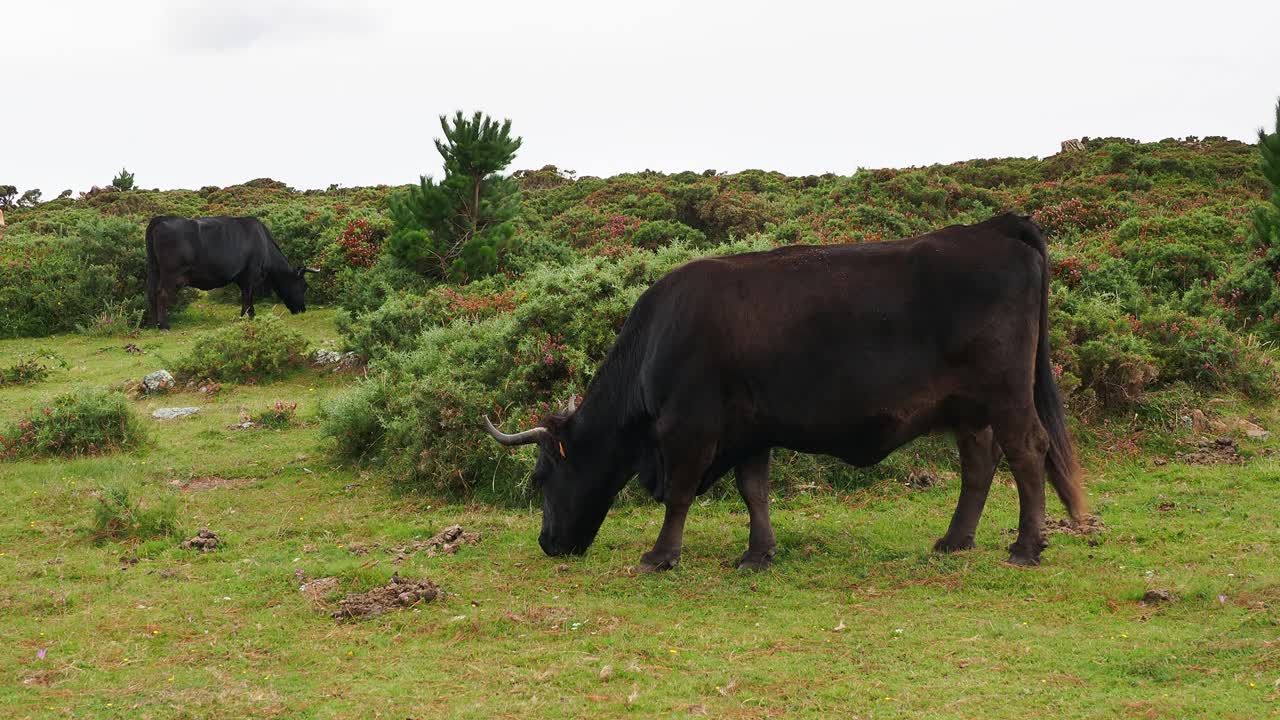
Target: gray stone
<point>157,381</point>
<point>174,412</point>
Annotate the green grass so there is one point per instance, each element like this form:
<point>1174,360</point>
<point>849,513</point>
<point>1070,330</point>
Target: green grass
<point>227,634</point>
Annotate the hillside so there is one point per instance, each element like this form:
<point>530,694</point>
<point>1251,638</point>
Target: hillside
<point>1160,300</point>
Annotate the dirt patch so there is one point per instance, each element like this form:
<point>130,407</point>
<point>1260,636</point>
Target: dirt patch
<point>133,349</point>
<point>1222,451</point>
<point>317,590</point>
<point>209,482</point>
<point>445,542</point>
<point>1090,525</point>
<point>204,541</point>
<point>397,594</point>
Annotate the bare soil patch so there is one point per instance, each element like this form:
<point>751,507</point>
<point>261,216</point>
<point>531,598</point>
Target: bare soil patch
<point>1220,451</point>
<point>319,589</point>
<point>398,594</point>
<point>209,482</point>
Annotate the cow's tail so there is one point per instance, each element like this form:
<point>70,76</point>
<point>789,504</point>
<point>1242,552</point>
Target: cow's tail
<point>153,274</point>
<point>1060,461</point>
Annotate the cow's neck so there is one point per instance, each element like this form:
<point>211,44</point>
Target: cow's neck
<point>601,431</point>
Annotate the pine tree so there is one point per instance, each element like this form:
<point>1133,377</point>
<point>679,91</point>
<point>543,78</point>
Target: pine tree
<point>454,229</point>
<point>1266,220</point>
<point>124,180</point>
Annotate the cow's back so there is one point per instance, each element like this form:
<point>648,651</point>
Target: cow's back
<point>805,343</point>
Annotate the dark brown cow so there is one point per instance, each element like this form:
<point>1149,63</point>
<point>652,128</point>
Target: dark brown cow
<point>849,351</point>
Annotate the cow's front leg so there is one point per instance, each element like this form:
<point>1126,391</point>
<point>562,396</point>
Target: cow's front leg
<point>666,550</point>
<point>683,474</point>
<point>979,455</point>
<point>752,477</point>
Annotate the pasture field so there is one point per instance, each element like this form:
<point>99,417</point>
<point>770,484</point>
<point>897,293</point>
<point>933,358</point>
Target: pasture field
<point>857,618</point>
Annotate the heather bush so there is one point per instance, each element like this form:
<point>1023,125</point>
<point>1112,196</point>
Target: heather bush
<point>85,422</point>
<point>244,351</point>
<point>280,416</point>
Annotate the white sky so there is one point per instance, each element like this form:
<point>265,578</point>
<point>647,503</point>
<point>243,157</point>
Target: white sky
<point>214,92</point>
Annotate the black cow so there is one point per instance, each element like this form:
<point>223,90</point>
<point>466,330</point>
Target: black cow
<point>849,351</point>
<point>213,252</point>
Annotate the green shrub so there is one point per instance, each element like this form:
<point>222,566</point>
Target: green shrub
<point>1204,353</point>
<point>86,422</point>
<point>1101,360</point>
<point>31,368</point>
<point>54,284</point>
<point>117,516</point>
<point>244,351</point>
<point>417,413</point>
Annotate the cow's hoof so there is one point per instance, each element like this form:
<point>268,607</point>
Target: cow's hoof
<point>654,561</point>
<point>947,545</point>
<point>1024,556</point>
<point>1023,559</point>
<point>755,560</point>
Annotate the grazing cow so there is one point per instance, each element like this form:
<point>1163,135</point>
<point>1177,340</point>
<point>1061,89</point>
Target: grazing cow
<point>850,351</point>
<point>213,252</point>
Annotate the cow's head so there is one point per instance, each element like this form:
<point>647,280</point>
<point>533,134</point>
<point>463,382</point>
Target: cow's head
<point>292,288</point>
<point>577,488</point>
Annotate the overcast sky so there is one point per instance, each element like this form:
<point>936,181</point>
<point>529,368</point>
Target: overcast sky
<point>214,92</point>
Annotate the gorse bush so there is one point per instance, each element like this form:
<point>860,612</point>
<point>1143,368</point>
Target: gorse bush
<point>244,351</point>
<point>86,422</point>
<point>117,516</point>
<point>53,285</point>
<point>524,350</point>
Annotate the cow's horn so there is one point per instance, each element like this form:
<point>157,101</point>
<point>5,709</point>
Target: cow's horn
<point>525,437</point>
<point>571,406</point>
<point>311,269</point>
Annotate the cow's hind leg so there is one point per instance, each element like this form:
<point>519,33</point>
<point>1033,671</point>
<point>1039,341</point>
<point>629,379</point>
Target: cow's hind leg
<point>1025,443</point>
<point>752,477</point>
<point>979,455</point>
<point>164,300</point>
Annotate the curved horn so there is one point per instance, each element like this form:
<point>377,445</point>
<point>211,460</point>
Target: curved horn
<point>525,437</point>
<point>311,269</point>
<point>571,406</point>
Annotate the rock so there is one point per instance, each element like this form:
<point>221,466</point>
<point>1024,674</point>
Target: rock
<point>1158,596</point>
<point>338,361</point>
<point>174,412</point>
<point>158,381</point>
<point>1199,422</point>
<point>1252,431</point>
